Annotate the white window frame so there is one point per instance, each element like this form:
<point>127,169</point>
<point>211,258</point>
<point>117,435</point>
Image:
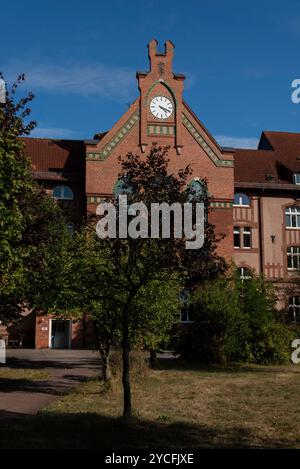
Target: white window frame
<point>188,320</point>
<point>296,176</point>
<point>293,252</point>
<point>243,274</point>
<point>295,307</point>
<point>293,213</point>
<point>247,231</point>
<point>240,204</point>
<point>237,230</point>
<point>241,231</point>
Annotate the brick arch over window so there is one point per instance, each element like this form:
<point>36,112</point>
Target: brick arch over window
<point>163,83</point>
<point>198,186</point>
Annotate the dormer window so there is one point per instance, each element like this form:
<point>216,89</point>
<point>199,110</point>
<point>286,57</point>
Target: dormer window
<point>297,178</point>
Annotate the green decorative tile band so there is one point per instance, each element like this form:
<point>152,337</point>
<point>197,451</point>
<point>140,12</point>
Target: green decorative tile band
<point>112,144</point>
<point>198,137</point>
<point>94,199</point>
<point>221,204</point>
<point>93,156</point>
<point>163,130</point>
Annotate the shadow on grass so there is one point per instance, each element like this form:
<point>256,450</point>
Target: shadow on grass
<point>179,364</point>
<point>57,387</point>
<point>86,363</point>
<point>89,430</point>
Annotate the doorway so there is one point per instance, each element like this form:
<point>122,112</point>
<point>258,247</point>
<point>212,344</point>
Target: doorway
<point>60,333</point>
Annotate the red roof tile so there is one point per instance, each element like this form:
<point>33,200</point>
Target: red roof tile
<point>275,160</point>
<point>47,155</point>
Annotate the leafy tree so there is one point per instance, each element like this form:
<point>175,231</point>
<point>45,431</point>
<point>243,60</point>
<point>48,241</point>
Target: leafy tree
<point>15,181</point>
<point>140,264</point>
<point>31,224</point>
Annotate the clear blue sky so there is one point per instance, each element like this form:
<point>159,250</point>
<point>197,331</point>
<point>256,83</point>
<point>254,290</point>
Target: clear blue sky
<point>80,58</point>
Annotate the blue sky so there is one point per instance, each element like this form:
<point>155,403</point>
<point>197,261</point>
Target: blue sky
<point>80,59</point>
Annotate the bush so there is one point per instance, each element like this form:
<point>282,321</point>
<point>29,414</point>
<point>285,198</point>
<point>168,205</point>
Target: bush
<point>273,346</point>
<point>215,308</point>
<point>236,321</point>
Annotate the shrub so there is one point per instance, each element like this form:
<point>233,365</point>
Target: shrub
<point>235,320</point>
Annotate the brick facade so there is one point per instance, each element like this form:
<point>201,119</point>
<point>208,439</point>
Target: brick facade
<point>91,170</point>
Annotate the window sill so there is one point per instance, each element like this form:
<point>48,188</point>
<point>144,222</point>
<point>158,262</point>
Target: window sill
<point>241,206</point>
<point>234,247</point>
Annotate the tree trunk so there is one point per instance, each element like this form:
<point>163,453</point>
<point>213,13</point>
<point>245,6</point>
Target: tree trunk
<point>127,411</point>
<point>153,358</point>
<point>104,356</point>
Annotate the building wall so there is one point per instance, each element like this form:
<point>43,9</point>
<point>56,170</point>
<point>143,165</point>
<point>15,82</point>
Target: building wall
<point>270,236</point>
<point>82,333</point>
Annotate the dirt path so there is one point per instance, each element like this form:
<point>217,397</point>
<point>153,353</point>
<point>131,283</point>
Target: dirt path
<point>66,368</point>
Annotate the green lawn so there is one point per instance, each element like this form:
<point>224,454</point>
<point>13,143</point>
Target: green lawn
<point>176,405</point>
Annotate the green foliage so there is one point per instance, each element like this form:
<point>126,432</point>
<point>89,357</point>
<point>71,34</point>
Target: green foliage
<point>31,224</point>
<point>216,310</point>
<point>235,320</point>
<point>273,345</point>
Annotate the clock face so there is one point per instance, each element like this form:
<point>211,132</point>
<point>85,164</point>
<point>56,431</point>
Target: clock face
<point>161,107</point>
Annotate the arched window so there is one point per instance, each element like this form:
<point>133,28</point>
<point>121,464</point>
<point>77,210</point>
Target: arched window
<point>292,217</point>
<point>241,199</point>
<point>197,189</point>
<point>120,188</point>
<point>63,193</point>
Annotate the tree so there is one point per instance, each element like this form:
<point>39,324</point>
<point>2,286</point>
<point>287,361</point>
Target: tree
<point>15,181</point>
<point>130,286</point>
<point>31,223</point>
<point>138,265</point>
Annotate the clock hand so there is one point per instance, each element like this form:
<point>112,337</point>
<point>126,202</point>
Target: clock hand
<point>164,109</point>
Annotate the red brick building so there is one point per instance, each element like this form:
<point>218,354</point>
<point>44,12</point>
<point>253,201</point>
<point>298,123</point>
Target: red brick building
<point>253,191</point>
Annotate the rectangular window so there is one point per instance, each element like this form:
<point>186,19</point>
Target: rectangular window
<point>237,237</point>
<point>297,178</point>
<point>293,257</point>
<point>292,217</point>
<point>242,237</point>
<point>187,315</point>
<point>294,308</point>
<point>247,237</point>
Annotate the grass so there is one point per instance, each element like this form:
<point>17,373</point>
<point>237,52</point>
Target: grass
<point>175,406</point>
<point>22,374</point>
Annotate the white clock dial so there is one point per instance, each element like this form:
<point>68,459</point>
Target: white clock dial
<point>161,107</point>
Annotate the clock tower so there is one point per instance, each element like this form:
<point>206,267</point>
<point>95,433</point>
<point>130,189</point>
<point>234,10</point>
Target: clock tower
<point>160,99</point>
<point>160,115</point>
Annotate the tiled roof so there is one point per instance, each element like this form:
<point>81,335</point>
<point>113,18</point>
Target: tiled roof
<point>274,162</point>
<point>56,156</point>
